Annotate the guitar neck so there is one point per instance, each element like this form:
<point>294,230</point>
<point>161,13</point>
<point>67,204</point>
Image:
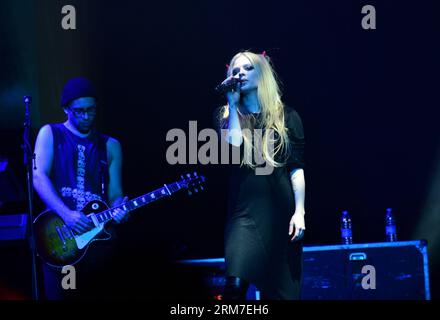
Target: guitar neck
<point>165,191</point>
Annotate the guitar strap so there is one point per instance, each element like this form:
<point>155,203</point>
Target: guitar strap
<point>104,176</point>
<point>103,164</point>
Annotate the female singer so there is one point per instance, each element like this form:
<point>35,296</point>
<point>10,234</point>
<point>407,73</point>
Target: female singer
<point>265,222</point>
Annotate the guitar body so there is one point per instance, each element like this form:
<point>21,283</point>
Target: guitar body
<point>57,245</point>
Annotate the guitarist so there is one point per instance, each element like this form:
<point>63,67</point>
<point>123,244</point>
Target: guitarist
<point>74,165</point>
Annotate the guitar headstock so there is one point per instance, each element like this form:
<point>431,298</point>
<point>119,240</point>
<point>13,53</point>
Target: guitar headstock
<point>193,182</point>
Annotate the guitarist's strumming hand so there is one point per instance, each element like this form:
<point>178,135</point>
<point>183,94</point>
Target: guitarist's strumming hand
<point>121,215</point>
<point>77,221</point>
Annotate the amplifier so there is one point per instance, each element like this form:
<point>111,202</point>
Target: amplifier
<point>13,226</point>
<point>371,271</point>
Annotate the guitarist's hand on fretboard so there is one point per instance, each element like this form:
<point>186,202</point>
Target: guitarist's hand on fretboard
<point>121,215</point>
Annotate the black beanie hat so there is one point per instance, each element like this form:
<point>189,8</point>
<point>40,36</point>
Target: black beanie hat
<point>77,88</point>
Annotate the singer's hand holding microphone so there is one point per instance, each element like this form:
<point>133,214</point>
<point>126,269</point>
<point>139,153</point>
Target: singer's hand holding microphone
<point>231,88</point>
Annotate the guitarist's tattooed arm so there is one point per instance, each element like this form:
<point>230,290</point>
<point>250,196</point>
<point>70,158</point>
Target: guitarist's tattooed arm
<point>76,220</point>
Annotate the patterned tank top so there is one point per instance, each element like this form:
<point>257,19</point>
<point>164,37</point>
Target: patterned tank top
<point>79,169</point>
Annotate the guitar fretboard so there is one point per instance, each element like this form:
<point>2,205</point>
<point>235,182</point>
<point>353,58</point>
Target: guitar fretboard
<point>165,191</point>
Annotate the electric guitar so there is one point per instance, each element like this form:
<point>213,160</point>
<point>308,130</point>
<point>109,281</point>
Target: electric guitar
<point>58,245</point>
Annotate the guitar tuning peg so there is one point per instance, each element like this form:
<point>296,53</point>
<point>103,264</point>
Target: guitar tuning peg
<point>189,193</point>
<point>181,176</point>
<point>201,188</point>
<point>195,174</point>
<point>188,175</point>
<point>196,190</point>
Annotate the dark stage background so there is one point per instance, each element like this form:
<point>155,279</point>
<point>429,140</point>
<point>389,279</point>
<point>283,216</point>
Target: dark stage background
<point>368,100</point>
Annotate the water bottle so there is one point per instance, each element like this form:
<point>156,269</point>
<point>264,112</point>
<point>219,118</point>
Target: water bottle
<point>346,234</point>
<point>390,226</point>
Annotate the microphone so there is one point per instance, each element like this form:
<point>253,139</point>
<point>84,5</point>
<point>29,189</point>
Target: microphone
<point>27,99</point>
<point>27,121</point>
<point>228,85</point>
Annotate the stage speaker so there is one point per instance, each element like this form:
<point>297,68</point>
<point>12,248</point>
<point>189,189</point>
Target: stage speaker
<point>370,271</point>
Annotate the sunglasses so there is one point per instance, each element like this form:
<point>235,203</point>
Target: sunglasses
<point>80,112</point>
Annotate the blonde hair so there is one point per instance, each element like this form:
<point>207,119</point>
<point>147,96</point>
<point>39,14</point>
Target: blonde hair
<point>271,109</point>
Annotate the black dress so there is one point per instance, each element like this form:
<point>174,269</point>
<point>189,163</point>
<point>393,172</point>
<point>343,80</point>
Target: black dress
<point>257,246</point>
